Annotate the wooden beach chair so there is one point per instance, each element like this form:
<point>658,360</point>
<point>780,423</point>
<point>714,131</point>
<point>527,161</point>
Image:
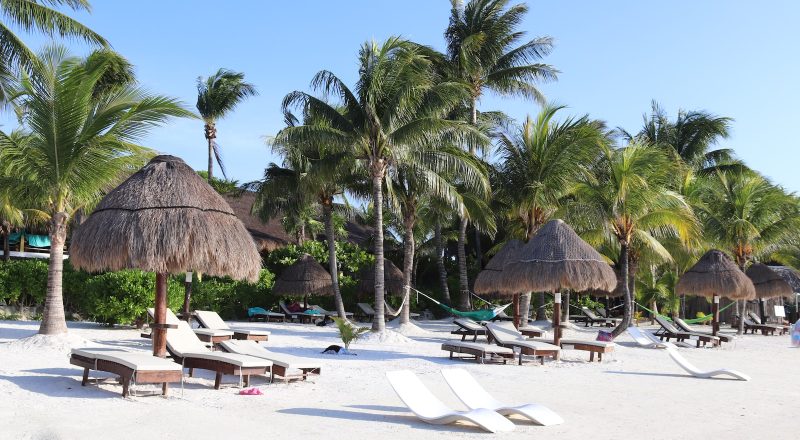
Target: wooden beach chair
<point>284,366</point>
<point>782,329</point>
<point>131,367</point>
<point>365,311</point>
<point>481,353</point>
<point>428,408</point>
<point>531,331</point>
<point>683,325</point>
<point>261,314</point>
<point>211,320</point>
<point>212,336</point>
<point>669,331</point>
<point>468,327</point>
<point>505,335</point>
<point>598,348</point>
<point>302,317</point>
<point>592,319</point>
<point>764,329</point>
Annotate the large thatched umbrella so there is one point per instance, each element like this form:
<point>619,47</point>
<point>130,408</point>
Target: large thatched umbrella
<point>556,259</point>
<point>304,277</point>
<point>392,275</point>
<point>768,284</point>
<point>716,275</point>
<point>165,219</point>
<point>492,280</point>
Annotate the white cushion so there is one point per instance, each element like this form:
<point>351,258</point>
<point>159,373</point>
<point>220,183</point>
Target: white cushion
<point>252,348</point>
<point>182,340</point>
<point>536,345</point>
<point>133,360</point>
<point>210,319</point>
<point>252,332</point>
<point>604,344</point>
<point>239,360</point>
<point>469,324</point>
<point>212,332</point>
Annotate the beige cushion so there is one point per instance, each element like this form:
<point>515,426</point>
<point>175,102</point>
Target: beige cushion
<point>134,360</point>
<point>603,344</point>
<point>210,319</point>
<point>212,332</point>
<point>252,348</point>
<point>252,332</point>
<point>239,360</point>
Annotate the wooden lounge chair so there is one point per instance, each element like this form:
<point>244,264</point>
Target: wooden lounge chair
<point>212,321</point>
<point>365,311</point>
<point>592,319</point>
<point>782,329</point>
<point>531,331</point>
<point>593,347</point>
<point>669,331</point>
<point>392,313</point>
<point>212,336</point>
<point>282,364</point>
<point>261,314</point>
<point>188,350</point>
<point>319,309</point>
<point>602,312</point>
<point>430,409</point>
<point>474,396</point>
<point>480,352</point>
<point>764,329</point>
<point>302,317</point>
<point>505,335</point>
<point>131,367</point>
<point>468,327</point>
<point>687,328</point>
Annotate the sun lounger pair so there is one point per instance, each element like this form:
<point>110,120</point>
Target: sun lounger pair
<point>212,321</point>
<point>781,329</point>
<point>484,411</point>
<point>687,328</point>
<point>131,367</point>
<point>669,331</point>
<point>210,335</point>
<point>592,319</point>
<point>648,340</point>
<point>283,366</point>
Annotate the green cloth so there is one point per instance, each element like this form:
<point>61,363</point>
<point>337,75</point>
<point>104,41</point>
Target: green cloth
<point>688,321</point>
<point>476,315</point>
<point>39,241</point>
<point>14,237</point>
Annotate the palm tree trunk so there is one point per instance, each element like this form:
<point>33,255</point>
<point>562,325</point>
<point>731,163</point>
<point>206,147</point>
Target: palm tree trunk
<point>6,230</point>
<point>53,319</point>
<point>379,323</point>
<point>478,252</point>
<point>440,263</point>
<point>524,307</point>
<point>333,269</point>
<point>541,313</point>
<point>408,263</point>
<point>463,280</point>
<point>626,294</point>
<point>209,131</point>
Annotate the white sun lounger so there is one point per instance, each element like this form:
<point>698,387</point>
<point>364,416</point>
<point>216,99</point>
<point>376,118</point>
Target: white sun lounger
<point>131,367</point>
<point>416,396</point>
<point>212,336</point>
<point>641,338</point>
<point>211,320</point>
<point>505,335</point>
<point>281,363</point>
<point>474,396</point>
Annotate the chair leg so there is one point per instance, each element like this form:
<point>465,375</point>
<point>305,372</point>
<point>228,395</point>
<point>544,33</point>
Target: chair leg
<point>85,377</point>
<point>165,388</point>
<point>217,380</point>
<point>126,382</point>
<point>591,356</point>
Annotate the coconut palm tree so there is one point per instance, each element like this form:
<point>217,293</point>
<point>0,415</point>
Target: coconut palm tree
<point>75,145</point>
<point>488,52</point>
<point>629,201</point>
<point>398,105</point>
<point>747,215</point>
<point>217,96</point>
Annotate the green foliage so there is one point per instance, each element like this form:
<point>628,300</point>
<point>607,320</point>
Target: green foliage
<point>121,297</point>
<point>351,258</point>
<point>222,186</point>
<point>348,332</point>
<point>23,282</point>
<point>231,298</point>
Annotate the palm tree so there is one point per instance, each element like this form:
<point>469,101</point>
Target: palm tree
<point>487,52</point>
<point>217,96</point>
<point>629,201</point>
<point>75,145</point>
<point>397,105</point>
<point>744,213</point>
<point>33,16</point>
<point>539,166</point>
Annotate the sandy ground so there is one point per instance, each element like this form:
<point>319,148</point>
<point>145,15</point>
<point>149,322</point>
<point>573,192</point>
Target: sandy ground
<point>635,393</point>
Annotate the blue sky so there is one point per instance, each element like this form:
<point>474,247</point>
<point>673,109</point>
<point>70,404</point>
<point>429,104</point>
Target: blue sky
<point>732,58</point>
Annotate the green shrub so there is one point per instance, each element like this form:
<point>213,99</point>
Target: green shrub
<point>348,332</point>
<point>230,298</point>
<point>121,297</point>
<point>23,282</point>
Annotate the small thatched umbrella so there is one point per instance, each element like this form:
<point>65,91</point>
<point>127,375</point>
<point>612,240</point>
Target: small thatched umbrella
<point>492,280</point>
<point>768,284</point>
<point>304,277</point>
<point>165,219</point>
<point>392,275</point>
<point>555,259</point>
<point>716,275</point>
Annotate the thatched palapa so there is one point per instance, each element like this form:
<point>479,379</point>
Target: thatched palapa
<point>304,277</point>
<point>715,274</point>
<point>767,282</point>
<point>491,279</point>
<point>789,275</point>
<point>392,278</point>
<point>165,219</point>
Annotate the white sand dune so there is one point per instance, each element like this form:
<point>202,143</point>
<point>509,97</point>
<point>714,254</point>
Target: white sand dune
<point>637,393</point>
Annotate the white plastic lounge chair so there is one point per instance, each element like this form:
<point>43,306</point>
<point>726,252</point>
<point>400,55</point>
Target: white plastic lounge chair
<point>474,396</point>
<point>211,320</point>
<point>481,352</point>
<point>131,367</point>
<point>468,327</point>
<point>641,338</point>
<point>505,335</point>
<point>210,335</point>
<point>672,350</point>
<point>281,363</point>
<point>366,311</point>
<point>428,408</point>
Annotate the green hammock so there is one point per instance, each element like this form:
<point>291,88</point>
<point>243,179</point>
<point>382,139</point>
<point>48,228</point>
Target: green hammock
<point>688,321</point>
<point>475,315</point>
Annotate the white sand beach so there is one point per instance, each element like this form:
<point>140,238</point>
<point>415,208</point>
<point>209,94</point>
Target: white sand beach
<point>635,393</point>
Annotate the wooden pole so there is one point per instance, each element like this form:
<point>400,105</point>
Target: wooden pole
<point>187,298</point>
<point>159,331</point>
<point>557,319</point>
<point>516,310</point>
<point>715,314</point>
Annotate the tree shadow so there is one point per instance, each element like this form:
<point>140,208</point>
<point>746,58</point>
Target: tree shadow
<point>408,420</point>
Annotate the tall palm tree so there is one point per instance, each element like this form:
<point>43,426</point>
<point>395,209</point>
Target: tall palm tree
<point>75,146</point>
<point>397,105</point>
<point>34,16</point>
<point>217,96</point>
<point>539,166</point>
<point>744,213</point>
<point>629,202</point>
<point>488,52</point>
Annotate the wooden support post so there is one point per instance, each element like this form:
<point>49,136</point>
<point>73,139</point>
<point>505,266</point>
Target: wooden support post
<point>187,298</point>
<point>159,331</point>
<point>715,314</point>
<point>557,318</point>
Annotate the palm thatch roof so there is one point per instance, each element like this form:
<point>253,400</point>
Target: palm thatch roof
<point>392,278</point>
<point>268,236</point>
<point>716,275</point>
<point>616,293</point>
<point>767,282</point>
<point>789,275</point>
<point>165,219</point>
<point>491,278</point>
<point>304,277</point>
<point>556,259</point>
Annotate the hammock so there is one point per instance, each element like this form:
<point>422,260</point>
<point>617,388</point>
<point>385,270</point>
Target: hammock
<point>394,313</point>
<point>688,321</point>
<point>476,315</point>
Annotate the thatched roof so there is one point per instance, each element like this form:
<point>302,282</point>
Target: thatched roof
<point>616,293</point>
<point>715,274</point>
<point>165,219</point>
<point>556,259</point>
<point>304,277</point>
<point>789,275</point>
<point>392,278</point>
<point>491,278</point>
<point>767,282</point>
<point>268,236</point>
